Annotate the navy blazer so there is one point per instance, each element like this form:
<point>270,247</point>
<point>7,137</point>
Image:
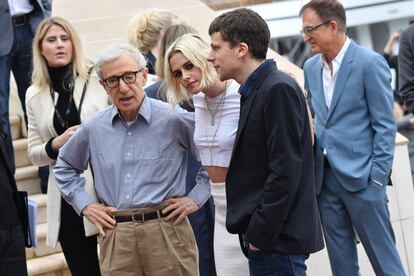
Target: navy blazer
<point>41,10</point>
<point>270,183</point>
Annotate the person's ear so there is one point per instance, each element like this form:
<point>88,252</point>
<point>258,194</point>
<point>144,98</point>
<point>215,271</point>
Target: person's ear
<point>144,76</point>
<point>243,49</point>
<point>102,83</point>
<point>104,86</point>
<point>334,26</point>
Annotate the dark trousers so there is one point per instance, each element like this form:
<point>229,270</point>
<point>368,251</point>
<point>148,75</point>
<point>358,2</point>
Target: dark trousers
<point>18,61</point>
<point>273,263</point>
<point>80,251</point>
<point>12,252</point>
<point>202,223</point>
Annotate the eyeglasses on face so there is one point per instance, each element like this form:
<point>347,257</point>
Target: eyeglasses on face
<point>127,77</point>
<point>310,30</point>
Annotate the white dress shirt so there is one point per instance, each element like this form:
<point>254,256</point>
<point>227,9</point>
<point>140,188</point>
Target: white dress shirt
<point>18,7</point>
<point>329,78</point>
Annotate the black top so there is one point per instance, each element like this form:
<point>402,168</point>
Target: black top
<point>65,116</point>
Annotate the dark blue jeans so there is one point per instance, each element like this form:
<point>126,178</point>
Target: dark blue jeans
<point>273,263</point>
<point>18,61</point>
<point>202,223</point>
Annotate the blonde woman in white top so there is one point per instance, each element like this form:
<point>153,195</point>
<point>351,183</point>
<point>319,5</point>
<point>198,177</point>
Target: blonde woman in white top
<point>190,76</point>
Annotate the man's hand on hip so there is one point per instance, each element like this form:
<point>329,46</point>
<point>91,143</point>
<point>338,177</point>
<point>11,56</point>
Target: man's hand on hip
<point>180,208</point>
<point>98,214</point>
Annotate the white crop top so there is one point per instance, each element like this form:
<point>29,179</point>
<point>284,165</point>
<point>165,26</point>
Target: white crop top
<point>215,142</point>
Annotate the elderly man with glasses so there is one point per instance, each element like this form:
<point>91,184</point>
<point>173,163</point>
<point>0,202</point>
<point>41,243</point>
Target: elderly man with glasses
<point>352,99</point>
<point>137,149</point>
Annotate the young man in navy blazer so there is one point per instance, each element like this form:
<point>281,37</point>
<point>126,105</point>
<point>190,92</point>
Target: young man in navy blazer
<point>271,199</point>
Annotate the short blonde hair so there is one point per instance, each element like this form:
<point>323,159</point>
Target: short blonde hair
<point>80,64</point>
<point>196,50</point>
<point>144,29</point>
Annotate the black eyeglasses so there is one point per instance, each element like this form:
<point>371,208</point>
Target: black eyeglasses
<point>127,77</point>
<point>310,30</point>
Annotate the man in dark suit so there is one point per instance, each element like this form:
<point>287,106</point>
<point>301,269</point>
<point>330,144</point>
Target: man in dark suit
<point>270,188</point>
<point>18,24</point>
<point>12,237</point>
<point>406,67</point>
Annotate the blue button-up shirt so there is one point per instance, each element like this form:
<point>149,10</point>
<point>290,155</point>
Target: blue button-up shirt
<point>247,87</point>
<point>134,165</point>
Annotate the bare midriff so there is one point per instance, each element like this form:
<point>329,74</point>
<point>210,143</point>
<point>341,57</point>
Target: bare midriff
<point>217,174</point>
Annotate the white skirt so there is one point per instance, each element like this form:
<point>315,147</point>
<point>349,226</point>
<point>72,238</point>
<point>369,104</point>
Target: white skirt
<point>229,258</point>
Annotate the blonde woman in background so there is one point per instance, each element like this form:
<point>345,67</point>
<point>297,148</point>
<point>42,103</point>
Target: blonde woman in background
<point>217,107</point>
<point>145,31</point>
<point>63,93</point>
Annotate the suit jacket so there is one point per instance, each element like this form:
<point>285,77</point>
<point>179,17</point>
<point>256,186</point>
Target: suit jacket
<point>41,10</point>
<point>358,130</point>
<point>5,155</point>
<point>270,182</point>
<point>406,67</point>
<point>40,112</point>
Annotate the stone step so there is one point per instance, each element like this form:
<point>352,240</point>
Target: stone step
<point>27,179</point>
<point>20,153</point>
<point>51,265</point>
<point>87,10</point>
<point>16,126</point>
<point>41,249</point>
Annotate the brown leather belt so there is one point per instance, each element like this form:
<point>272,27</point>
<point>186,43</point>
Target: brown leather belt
<point>139,216</point>
<point>20,20</point>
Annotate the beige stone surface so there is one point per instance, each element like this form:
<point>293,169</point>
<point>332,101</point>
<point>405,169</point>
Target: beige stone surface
<point>27,179</point>
<point>20,153</point>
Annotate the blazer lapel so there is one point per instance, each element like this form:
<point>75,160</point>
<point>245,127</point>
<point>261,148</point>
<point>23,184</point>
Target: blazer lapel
<point>343,75</point>
<point>320,95</point>
<point>244,115</point>
<point>77,91</point>
<point>247,106</point>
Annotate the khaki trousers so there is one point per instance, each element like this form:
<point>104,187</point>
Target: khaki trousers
<point>151,248</point>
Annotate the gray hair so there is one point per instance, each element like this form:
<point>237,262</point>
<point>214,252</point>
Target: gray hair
<point>113,52</point>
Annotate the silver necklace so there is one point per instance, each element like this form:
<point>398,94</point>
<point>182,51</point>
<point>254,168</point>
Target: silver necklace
<point>221,104</point>
<point>214,112</point>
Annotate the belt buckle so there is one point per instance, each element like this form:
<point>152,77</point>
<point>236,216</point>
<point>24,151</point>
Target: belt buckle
<point>137,220</point>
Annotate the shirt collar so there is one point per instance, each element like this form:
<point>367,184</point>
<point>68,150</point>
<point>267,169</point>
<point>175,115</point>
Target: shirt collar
<point>144,111</point>
<point>340,56</point>
<point>246,88</point>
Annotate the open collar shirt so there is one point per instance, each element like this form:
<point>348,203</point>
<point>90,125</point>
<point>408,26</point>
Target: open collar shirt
<point>135,165</point>
<point>329,78</point>
<point>247,87</point>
